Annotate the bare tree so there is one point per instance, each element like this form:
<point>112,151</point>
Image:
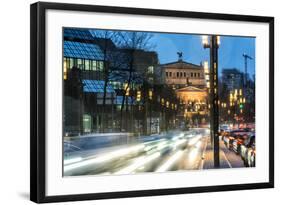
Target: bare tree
<point>112,61</point>
<point>131,43</point>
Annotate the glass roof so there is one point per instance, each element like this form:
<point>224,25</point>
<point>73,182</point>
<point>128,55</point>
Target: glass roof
<point>96,86</point>
<point>83,34</point>
<point>90,51</point>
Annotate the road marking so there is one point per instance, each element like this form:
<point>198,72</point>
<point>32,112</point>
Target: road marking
<point>203,155</point>
<point>226,159</point>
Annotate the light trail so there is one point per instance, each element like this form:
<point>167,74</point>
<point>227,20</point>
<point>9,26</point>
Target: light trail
<point>194,152</point>
<point>105,158</point>
<point>72,160</point>
<point>140,162</point>
<point>168,164</point>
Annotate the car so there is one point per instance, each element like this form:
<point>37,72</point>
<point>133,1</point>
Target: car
<point>233,135</point>
<point>241,140</point>
<point>251,158</point>
<point>224,133</point>
<point>248,151</point>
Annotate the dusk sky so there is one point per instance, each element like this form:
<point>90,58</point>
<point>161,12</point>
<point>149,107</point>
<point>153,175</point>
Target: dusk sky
<point>230,51</point>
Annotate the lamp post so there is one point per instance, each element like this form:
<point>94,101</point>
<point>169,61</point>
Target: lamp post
<point>212,42</point>
<point>150,95</point>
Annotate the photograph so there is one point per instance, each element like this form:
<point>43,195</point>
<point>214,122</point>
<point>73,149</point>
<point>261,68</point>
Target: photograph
<point>137,102</point>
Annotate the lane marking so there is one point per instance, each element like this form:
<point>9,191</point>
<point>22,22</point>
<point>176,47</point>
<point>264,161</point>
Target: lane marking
<point>203,155</point>
<point>226,159</point>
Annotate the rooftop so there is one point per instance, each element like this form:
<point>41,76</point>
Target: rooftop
<point>191,89</point>
<point>77,34</point>
<point>181,64</point>
<point>90,51</point>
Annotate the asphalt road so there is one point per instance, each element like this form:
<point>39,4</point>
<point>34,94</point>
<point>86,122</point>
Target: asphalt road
<point>172,151</point>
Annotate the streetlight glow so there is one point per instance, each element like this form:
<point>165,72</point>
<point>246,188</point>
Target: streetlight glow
<point>218,40</point>
<point>127,89</point>
<point>138,95</point>
<point>205,41</point>
<point>167,104</point>
<point>206,66</point>
<point>150,94</point>
<point>163,101</point>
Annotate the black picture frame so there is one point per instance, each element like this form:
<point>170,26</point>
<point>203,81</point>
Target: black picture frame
<point>38,100</point>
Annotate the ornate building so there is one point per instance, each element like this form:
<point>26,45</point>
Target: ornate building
<point>193,104</point>
<point>189,82</point>
<point>180,74</point>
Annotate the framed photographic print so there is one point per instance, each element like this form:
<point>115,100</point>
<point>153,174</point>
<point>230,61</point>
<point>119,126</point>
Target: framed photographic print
<point>129,102</point>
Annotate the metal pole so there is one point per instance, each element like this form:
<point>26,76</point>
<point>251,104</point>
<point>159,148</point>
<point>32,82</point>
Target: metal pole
<point>214,99</point>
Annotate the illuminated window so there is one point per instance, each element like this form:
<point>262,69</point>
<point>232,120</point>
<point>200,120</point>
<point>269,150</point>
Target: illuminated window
<point>64,69</point>
<point>100,65</point>
<point>71,63</point>
<point>94,65</point>
<point>87,65</point>
<point>150,70</point>
<point>80,63</point>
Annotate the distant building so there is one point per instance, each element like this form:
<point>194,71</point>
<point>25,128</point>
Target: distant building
<point>96,73</point>
<point>180,74</point>
<point>189,82</point>
<point>232,78</point>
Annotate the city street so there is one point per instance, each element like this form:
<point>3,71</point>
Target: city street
<point>175,150</point>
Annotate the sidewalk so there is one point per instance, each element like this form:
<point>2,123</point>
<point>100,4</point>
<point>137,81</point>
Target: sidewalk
<point>208,161</point>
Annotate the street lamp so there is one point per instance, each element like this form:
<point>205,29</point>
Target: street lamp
<point>167,104</point>
<point>138,95</point>
<point>213,42</point>
<point>127,89</point>
<point>150,94</point>
<point>205,41</point>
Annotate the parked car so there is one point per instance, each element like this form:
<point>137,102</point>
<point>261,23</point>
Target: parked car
<point>241,140</point>
<point>233,135</point>
<point>223,133</point>
<point>248,151</point>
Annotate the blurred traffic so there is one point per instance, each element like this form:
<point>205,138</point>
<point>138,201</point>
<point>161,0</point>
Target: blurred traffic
<point>120,153</point>
<point>240,140</point>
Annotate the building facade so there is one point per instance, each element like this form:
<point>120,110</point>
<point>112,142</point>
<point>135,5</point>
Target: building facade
<point>107,88</point>
<point>194,105</point>
<point>180,74</point>
<point>232,78</point>
<point>190,85</point>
